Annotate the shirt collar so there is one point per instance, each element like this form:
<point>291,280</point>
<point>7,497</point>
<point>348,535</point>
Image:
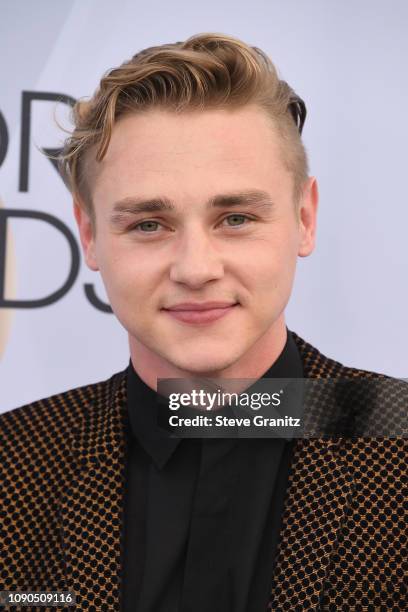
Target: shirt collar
<point>142,404</point>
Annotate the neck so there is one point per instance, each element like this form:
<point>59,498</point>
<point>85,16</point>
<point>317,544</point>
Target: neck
<point>257,360</point>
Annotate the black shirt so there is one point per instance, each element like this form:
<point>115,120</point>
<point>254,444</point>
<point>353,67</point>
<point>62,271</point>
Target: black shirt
<point>202,516</point>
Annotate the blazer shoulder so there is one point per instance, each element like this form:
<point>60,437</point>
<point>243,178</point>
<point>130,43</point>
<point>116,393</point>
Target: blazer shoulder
<point>61,410</point>
<point>36,440</point>
<point>375,403</point>
<point>318,365</point>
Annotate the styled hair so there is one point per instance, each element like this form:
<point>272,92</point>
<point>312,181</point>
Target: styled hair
<point>207,71</point>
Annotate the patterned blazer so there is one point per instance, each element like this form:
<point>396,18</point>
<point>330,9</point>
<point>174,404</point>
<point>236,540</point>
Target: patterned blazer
<point>62,459</point>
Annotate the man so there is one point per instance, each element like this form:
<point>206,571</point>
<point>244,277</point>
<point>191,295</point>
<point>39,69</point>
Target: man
<point>193,200</point>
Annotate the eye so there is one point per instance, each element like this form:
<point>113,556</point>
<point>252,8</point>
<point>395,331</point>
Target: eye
<point>236,219</point>
<point>150,226</point>
<point>147,226</point>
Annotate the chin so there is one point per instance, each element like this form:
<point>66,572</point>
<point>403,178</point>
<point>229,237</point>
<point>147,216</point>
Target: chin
<point>205,369</point>
<point>208,364</point>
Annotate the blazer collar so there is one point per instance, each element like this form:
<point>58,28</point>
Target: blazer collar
<point>101,431</point>
<point>90,509</point>
<point>319,492</point>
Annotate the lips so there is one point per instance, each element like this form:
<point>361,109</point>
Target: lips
<point>196,313</point>
<point>200,306</point>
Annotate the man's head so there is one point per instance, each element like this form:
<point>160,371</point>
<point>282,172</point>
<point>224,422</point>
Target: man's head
<point>191,185</point>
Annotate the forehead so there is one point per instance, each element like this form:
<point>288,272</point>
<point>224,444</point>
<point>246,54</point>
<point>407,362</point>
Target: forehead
<point>200,150</point>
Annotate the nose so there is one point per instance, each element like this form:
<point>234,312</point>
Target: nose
<point>197,261</point>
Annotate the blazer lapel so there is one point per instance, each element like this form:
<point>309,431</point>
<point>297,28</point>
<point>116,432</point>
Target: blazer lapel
<point>319,493</point>
<point>91,506</point>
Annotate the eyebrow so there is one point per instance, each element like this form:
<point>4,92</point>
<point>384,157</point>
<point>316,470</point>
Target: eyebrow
<point>132,205</point>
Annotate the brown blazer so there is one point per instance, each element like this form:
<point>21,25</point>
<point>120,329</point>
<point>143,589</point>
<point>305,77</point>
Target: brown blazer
<point>62,459</point>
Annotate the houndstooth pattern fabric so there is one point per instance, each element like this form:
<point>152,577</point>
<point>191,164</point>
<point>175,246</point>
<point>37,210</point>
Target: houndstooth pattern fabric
<point>62,465</point>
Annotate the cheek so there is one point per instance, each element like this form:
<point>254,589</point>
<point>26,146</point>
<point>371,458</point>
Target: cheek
<point>272,268</point>
<point>129,279</point>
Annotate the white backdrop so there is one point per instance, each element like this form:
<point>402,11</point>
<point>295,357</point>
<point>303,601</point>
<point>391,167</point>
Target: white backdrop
<point>348,60</point>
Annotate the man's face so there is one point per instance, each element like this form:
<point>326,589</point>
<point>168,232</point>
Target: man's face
<point>228,233</point>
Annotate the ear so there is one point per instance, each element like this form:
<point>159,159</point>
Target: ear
<point>86,235</point>
<point>308,217</point>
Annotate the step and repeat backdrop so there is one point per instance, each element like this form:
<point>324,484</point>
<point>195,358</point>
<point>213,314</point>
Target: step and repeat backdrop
<point>347,60</point>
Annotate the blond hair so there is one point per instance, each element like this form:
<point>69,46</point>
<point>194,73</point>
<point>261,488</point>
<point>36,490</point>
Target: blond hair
<point>207,71</point>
